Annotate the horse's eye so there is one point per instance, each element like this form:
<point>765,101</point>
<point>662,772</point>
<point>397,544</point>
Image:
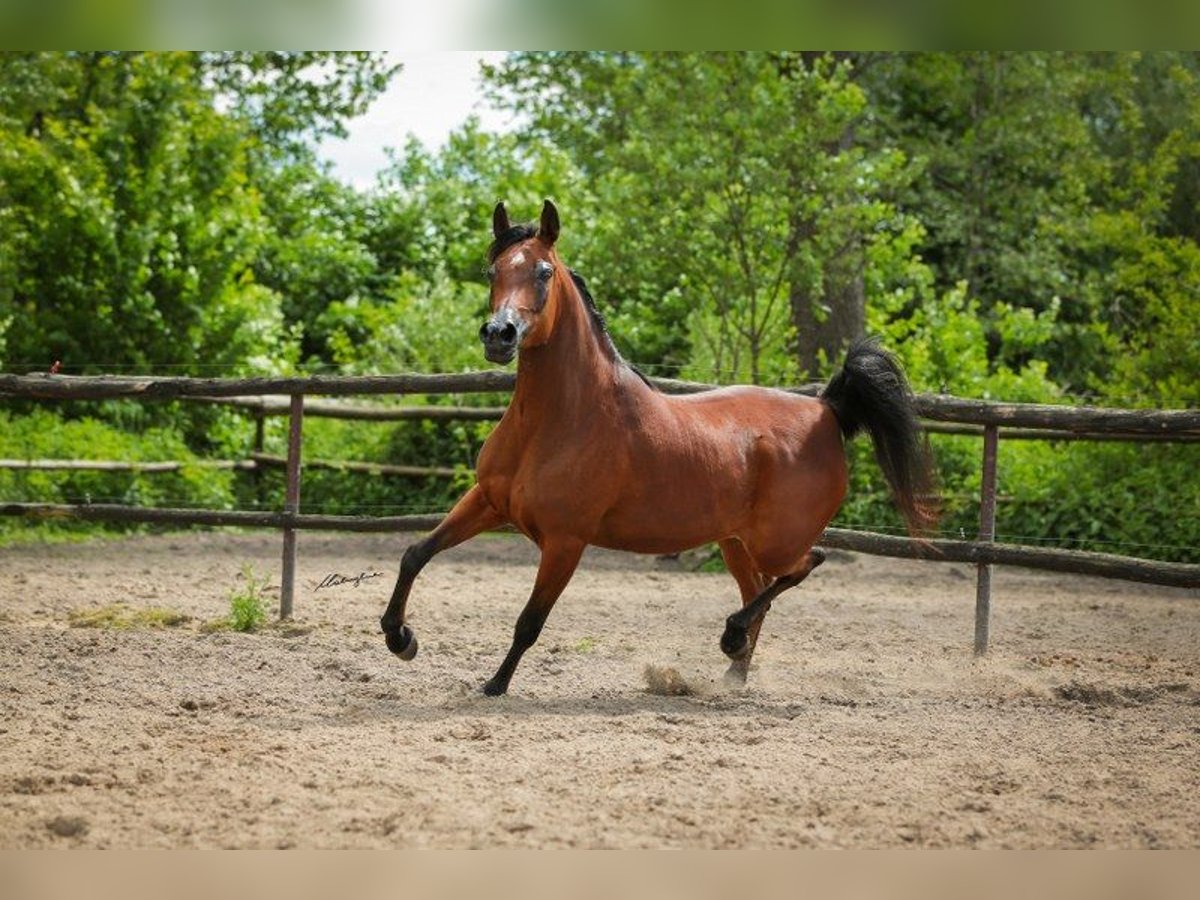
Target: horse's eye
<point>544,271</point>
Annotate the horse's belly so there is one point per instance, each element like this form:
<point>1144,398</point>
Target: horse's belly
<point>642,541</point>
<point>670,523</point>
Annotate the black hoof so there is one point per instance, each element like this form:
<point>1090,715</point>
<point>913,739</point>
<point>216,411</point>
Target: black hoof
<point>495,688</point>
<point>403,642</point>
<point>735,641</point>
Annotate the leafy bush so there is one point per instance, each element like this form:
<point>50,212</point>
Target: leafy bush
<point>45,434</point>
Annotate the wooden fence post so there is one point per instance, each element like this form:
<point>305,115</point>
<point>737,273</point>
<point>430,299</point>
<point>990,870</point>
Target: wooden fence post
<point>259,443</point>
<point>987,535</point>
<point>291,507</point>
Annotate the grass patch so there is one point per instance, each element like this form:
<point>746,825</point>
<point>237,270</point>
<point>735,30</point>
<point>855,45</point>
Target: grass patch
<point>585,645</point>
<point>19,533</point>
<point>247,611</point>
<point>121,616</point>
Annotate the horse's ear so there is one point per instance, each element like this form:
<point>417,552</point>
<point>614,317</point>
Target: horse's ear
<point>500,220</point>
<point>548,227</point>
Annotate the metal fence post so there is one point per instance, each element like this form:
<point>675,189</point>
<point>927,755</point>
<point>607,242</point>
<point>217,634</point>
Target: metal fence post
<point>291,506</point>
<point>987,534</point>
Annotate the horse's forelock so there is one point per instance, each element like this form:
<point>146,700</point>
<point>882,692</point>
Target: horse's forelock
<point>515,235</point>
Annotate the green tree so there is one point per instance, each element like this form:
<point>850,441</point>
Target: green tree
<point>734,205</point>
<point>441,202</point>
<point>290,98</point>
<point>317,250</point>
<point>127,219</point>
<point>1062,182</point>
<point>131,202</point>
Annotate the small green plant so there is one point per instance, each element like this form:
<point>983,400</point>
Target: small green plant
<point>246,610</point>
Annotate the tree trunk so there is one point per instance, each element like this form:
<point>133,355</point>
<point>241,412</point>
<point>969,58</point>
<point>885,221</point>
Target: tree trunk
<point>825,325</point>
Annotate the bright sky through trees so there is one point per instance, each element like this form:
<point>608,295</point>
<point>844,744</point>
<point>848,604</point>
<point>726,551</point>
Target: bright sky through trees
<point>433,95</point>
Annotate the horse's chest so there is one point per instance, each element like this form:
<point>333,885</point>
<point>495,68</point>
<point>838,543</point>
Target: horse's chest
<point>542,484</point>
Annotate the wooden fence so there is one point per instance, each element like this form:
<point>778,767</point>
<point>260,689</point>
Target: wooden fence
<point>263,397</point>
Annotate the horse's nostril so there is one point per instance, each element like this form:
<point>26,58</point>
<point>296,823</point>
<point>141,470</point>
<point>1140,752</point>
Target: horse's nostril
<point>483,331</point>
<point>509,334</point>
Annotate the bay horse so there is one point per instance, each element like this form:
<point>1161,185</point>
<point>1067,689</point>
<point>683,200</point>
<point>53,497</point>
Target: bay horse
<point>588,452</point>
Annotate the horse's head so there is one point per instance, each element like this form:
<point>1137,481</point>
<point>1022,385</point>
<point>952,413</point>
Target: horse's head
<point>525,273</point>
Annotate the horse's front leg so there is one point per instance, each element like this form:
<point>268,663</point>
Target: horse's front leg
<point>559,558</point>
<point>470,515</point>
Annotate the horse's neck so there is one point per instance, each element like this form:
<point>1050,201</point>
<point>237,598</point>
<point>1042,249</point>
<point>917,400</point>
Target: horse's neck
<point>565,378</point>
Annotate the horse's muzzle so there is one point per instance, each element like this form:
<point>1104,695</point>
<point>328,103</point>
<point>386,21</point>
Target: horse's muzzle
<point>501,335</point>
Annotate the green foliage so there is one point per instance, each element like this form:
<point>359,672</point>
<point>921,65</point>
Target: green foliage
<point>1062,182</point>
<point>440,205</point>
<point>421,326</point>
<point>414,443</point>
<point>289,97</point>
<point>43,435</point>
<point>317,252</point>
<point>127,220</point>
<point>1016,226</point>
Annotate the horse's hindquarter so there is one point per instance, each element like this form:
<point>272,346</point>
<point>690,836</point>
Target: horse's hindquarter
<point>714,465</point>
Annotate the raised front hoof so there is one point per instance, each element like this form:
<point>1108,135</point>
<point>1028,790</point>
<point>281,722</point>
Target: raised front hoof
<point>735,642</point>
<point>494,688</point>
<point>403,642</point>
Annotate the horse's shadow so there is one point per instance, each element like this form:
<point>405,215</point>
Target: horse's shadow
<point>615,704</point>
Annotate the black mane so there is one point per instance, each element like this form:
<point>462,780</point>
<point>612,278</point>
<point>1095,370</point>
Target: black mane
<point>601,327</point>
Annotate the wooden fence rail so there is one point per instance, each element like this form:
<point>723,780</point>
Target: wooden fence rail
<point>1102,565</point>
<point>988,419</point>
<point>255,462</point>
<point>110,465</point>
<point>937,407</point>
<point>279,405</point>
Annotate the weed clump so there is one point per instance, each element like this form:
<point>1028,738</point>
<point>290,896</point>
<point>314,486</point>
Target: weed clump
<point>246,609</point>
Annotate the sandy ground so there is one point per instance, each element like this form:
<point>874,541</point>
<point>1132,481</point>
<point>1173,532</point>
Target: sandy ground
<point>866,723</point>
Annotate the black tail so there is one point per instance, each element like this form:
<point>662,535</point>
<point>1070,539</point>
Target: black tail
<point>871,392</point>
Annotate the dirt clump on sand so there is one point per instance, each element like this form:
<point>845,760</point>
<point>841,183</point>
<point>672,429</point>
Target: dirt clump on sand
<point>665,681</point>
<point>866,721</point>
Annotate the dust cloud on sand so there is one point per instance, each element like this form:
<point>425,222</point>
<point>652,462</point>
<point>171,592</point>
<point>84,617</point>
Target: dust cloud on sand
<point>866,721</point>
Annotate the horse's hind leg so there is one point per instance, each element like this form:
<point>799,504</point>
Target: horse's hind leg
<point>471,515</point>
<point>741,628</point>
<point>751,583</point>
